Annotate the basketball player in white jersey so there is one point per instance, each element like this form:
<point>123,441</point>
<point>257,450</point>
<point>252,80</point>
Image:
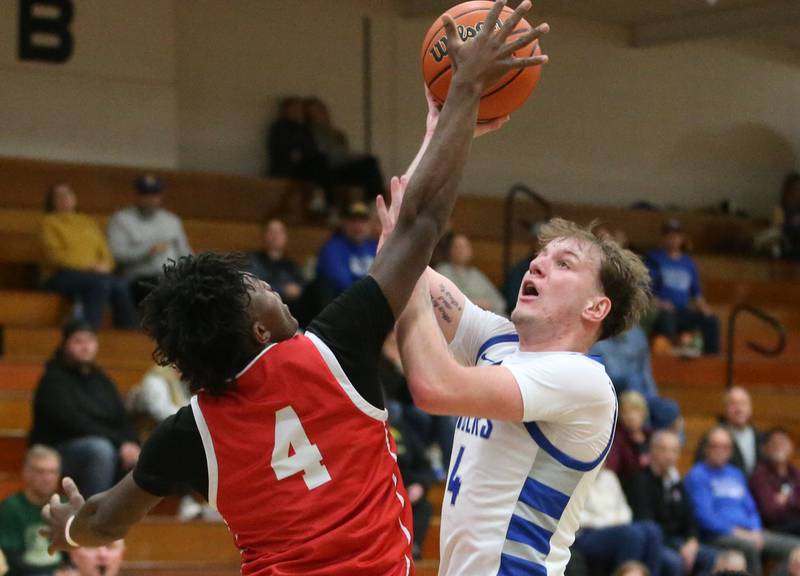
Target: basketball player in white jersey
<point>536,414</point>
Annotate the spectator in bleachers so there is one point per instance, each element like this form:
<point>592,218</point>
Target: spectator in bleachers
<point>468,278</point>
<point>725,510</point>
<point>775,484</point>
<point>790,216</point>
<point>347,256</point>
<point>748,440</point>
<point>730,562</point>
<point>627,361</point>
<point>347,168</point>
<point>78,262</point>
<point>632,568</point>
<point>435,431</point>
<point>658,494</point>
<point>677,293</point>
<point>630,451</point>
<point>607,537</point>
<point>271,264</point>
<point>100,561</point>
<point>20,516</point>
<point>293,152</point>
<point>159,395</point>
<point>143,237</point>
<point>78,411</point>
<point>793,565</point>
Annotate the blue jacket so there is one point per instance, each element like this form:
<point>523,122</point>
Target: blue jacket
<point>342,263</point>
<point>721,500</point>
<point>676,281</point>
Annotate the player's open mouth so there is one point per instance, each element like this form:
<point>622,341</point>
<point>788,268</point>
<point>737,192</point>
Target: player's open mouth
<point>528,289</point>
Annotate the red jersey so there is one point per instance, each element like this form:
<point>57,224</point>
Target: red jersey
<point>304,470</point>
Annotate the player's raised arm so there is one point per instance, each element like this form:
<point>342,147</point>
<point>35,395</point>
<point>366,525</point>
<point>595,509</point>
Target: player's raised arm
<point>103,518</point>
<point>438,383</point>
<point>432,188</point>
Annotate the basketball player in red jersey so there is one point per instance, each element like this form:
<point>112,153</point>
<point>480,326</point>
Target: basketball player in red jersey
<point>286,435</point>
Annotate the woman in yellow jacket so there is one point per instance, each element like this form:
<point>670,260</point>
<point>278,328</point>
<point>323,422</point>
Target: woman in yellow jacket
<point>78,263</point>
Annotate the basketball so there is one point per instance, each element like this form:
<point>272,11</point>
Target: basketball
<point>505,96</point>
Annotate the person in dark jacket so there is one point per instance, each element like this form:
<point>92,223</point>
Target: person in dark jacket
<point>657,493</point>
<point>78,411</point>
<point>271,264</point>
<point>775,484</point>
<point>292,150</point>
<point>747,439</point>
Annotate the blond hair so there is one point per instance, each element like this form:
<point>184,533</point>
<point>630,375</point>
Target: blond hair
<point>623,277</point>
<point>633,400</point>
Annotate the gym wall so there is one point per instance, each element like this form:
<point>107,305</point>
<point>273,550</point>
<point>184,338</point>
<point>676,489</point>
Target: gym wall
<point>194,83</point>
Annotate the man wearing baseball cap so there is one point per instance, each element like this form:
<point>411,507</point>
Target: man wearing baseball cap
<point>143,237</point>
<point>677,291</point>
<point>347,256</point>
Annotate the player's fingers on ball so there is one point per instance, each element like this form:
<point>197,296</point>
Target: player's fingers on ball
<point>513,20</point>
<point>541,30</point>
<point>451,33</point>
<point>518,43</point>
<point>492,17</point>
<point>529,61</point>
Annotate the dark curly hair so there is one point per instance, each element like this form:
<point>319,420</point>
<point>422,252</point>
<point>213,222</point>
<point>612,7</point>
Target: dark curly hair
<point>198,316</point>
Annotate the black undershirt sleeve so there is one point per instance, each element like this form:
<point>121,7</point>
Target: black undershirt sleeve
<point>173,460</point>
<point>354,327</point>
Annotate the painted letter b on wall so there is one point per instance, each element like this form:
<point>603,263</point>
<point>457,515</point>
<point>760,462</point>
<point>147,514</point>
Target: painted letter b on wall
<point>44,33</point>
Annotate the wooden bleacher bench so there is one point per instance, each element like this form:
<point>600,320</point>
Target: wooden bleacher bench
<point>105,189</point>
<point>117,348</point>
<point>29,308</point>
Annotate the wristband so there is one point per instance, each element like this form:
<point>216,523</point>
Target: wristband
<point>67,537</point>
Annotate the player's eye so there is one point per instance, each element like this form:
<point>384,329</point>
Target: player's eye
<point>563,264</point>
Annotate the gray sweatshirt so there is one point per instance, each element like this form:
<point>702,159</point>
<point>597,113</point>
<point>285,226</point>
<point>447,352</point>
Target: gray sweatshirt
<point>131,235</point>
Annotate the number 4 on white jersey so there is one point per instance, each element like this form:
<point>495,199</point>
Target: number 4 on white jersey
<point>306,458</point>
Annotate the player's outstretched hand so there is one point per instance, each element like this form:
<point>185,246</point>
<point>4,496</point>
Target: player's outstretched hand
<point>56,514</point>
<point>488,57</point>
<point>433,119</point>
<point>388,215</point>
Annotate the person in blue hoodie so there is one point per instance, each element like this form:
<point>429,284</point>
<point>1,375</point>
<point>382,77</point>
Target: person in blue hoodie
<point>725,509</point>
<point>677,293</point>
<point>347,256</point>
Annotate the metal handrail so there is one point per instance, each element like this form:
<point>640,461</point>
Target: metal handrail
<point>756,347</point>
<point>508,231</point>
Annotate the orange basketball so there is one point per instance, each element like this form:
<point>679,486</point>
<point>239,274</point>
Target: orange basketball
<point>510,92</point>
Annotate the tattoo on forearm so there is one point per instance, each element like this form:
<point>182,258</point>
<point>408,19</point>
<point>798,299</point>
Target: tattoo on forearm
<point>445,304</point>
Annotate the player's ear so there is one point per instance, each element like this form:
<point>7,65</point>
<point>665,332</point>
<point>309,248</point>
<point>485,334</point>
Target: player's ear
<point>597,309</point>
<point>260,332</point>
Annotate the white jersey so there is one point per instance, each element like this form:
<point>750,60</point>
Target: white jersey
<point>515,489</point>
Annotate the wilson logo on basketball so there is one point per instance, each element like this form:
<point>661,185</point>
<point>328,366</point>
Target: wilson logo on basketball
<point>439,49</point>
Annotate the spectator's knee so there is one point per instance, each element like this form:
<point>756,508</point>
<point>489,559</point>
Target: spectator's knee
<point>100,448</point>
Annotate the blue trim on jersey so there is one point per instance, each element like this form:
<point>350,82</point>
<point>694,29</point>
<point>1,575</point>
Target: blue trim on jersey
<point>513,566</point>
<point>543,498</point>
<point>502,338</point>
<point>526,532</point>
<point>565,459</point>
<point>596,357</point>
